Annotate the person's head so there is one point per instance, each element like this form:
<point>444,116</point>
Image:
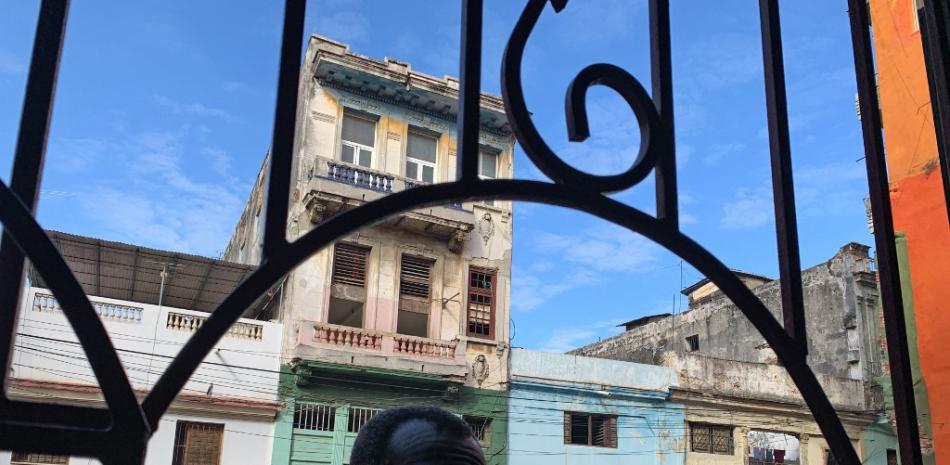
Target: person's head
<point>416,435</point>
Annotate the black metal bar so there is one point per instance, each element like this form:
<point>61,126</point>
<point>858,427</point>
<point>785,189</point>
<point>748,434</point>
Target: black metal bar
<point>275,240</point>
<point>934,20</point>
<point>470,77</point>
<point>28,161</point>
<point>667,201</point>
<point>888,273</point>
<point>285,122</point>
<point>783,188</point>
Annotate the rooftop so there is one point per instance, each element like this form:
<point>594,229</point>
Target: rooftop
<point>130,272</point>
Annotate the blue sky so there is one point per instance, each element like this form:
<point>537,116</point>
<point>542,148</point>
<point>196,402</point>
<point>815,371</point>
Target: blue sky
<point>164,111</point>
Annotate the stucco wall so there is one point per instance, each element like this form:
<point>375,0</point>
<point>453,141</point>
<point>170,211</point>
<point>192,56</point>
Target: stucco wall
<point>544,386</point>
<point>841,315</point>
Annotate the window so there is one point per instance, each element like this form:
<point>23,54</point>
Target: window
<point>487,168</point>
<point>348,285</point>
<point>358,418</point>
<point>314,417</point>
<point>481,303</point>
<point>414,296</point>
<point>590,430</point>
<point>481,428</point>
<point>892,457</point>
<point>197,443</point>
<point>420,157</point>
<point>359,137</point>
<point>28,458</point>
<point>692,343</point>
<point>712,439</point>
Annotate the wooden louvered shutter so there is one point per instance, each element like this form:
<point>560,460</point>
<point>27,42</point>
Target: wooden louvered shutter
<point>611,432</point>
<point>567,428</point>
<point>415,276</point>
<point>349,264</point>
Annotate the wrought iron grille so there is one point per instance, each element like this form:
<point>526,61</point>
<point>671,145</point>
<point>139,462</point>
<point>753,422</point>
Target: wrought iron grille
<point>119,434</point>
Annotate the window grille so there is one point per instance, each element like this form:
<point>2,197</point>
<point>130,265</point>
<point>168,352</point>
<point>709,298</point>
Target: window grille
<point>692,343</point>
<point>314,417</point>
<point>358,418</point>
<point>28,458</point>
<point>481,302</point>
<point>585,429</point>
<point>481,428</point>
<point>414,276</point>
<point>349,264</point>
<point>712,439</point>
<point>197,443</point>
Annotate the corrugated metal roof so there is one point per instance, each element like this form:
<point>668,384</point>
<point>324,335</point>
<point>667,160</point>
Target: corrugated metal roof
<point>130,272</point>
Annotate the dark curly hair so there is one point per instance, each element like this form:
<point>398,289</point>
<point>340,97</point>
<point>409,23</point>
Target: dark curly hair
<point>372,442</point>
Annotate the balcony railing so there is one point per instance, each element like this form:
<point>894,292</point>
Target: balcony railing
<point>190,323</point>
<point>374,180</point>
<point>360,177</point>
<point>108,311</point>
<point>348,338</point>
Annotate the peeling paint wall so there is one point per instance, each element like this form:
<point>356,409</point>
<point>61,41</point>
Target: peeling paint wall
<point>842,324</point>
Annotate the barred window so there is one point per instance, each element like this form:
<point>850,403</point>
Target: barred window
<point>358,418</point>
<point>481,428</point>
<point>314,417</point>
<point>481,302</point>
<point>712,439</point>
<point>197,443</point>
<point>586,429</point>
<point>29,458</point>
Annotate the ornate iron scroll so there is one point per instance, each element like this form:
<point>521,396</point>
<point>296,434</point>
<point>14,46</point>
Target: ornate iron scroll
<point>119,435</point>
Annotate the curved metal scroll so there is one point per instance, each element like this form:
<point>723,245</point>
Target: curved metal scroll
<point>119,435</point>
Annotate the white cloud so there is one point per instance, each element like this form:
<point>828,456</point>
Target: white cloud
<point>530,291</point>
<point>720,151</point>
<point>570,338</point>
<point>10,65</point>
<point>340,20</point>
<point>196,109</point>
<point>749,209</point>
<point>160,203</point>
<point>605,248</point>
<point>233,86</point>
<point>220,160</point>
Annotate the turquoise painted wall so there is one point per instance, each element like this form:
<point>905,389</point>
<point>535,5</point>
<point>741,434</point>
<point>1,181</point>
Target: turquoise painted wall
<point>650,429</point>
<point>877,439</point>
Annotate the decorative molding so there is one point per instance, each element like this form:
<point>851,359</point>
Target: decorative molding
<point>326,118</point>
<point>394,136</point>
<point>486,227</point>
<point>480,369</point>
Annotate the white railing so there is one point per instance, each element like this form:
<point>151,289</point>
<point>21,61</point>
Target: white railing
<point>190,323</point>
<point>108,311</point>
<point>348,338</point>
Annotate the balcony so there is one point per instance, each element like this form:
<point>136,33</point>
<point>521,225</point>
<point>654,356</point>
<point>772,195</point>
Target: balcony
<point>335,187</point>
<point>367,347</point>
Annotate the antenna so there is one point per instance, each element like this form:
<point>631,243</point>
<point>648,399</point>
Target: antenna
<point>164,275</point>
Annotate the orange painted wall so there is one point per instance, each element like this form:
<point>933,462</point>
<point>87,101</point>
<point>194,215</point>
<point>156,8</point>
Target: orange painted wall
<point>917,197</point>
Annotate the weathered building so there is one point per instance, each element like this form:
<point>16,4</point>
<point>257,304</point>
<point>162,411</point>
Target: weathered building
<point>919,210</point>
<point>413,309</point>
<point>841,311</point>
<point>151,302</point>
<point>742,413</point>
<point>581,410</point>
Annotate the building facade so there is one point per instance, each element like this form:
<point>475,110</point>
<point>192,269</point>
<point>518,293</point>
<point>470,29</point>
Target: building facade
<point>841,310</point>
<point>581,410</point>
<point>226,412</point>
<point>918,208</point>
<point>411,310</point>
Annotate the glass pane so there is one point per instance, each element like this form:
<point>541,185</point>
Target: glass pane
<point>347,154</point>
<point>428,174</point>
<point>359,130</point>
<point>487,164</point>
<point>421,147</point>
<point>366,158</point>
<point>412,170</point>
